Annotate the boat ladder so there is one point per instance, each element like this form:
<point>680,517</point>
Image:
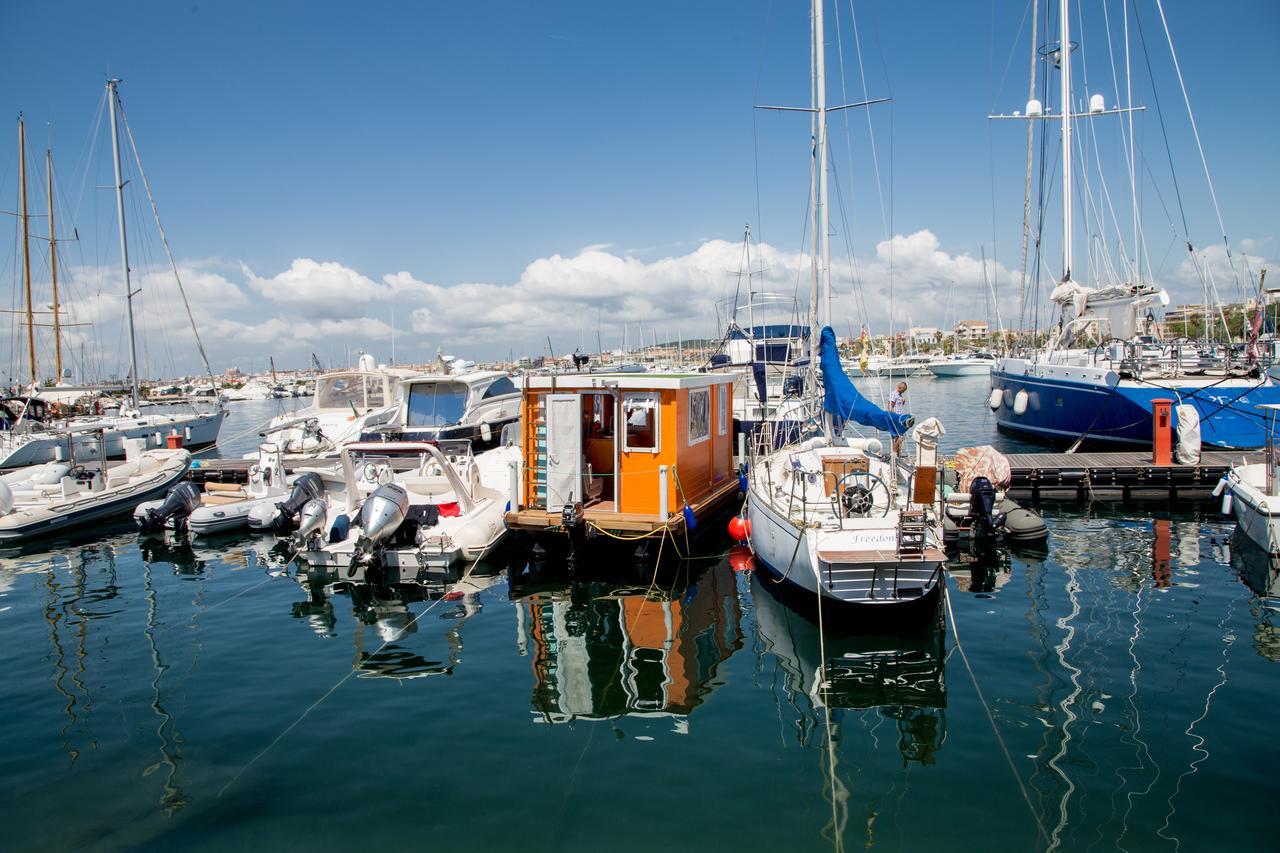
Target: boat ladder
<point>911,535</point>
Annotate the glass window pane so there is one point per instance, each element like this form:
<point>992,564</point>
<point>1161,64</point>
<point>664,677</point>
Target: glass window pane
<point>436,404</point>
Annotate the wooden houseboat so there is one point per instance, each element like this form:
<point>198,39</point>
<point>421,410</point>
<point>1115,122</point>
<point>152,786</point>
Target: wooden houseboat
<point>624,455</point>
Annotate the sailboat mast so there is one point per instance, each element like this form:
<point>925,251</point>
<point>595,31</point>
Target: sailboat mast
<point>124,246</point>
<point>26,249</point>
<point>823,224</point>
<point>53,269</point>
<point>1064,62</point>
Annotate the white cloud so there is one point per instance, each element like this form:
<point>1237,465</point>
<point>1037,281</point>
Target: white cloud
<point>327,289</point>
<point>329,308</point>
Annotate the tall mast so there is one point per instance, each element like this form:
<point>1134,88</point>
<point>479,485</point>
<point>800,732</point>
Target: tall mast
<point>53,269</point>
<point>1064,63</point>
<point>113,96</point>
<point>26,248</point>
<point>820,85</point>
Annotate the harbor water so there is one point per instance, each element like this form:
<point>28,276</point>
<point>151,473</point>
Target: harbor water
<point>1112,693</point>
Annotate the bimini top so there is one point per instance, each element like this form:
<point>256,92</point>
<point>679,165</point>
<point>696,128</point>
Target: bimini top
<point>624,381</point>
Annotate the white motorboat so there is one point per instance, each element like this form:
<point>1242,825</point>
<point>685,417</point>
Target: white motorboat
<point>268,501</point>
<point>433,407</point>
<point>347,404</point>
<point>1252,492</point>
<point>961,365</point>
<point>392,527</point>
<point>58,497</point>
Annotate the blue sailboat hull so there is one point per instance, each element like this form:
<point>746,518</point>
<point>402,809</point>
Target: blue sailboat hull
<point>1060,411</point>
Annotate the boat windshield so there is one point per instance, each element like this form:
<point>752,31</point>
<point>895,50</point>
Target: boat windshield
<point>344,391</point>
<point>436,404</point>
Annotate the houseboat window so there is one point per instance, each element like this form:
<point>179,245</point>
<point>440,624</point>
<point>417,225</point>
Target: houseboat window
<point>722,425</point>
<point>641,412</point>
<point>699,416</point>
<point>500,386</point>
<point>434,404</point>
<point>343,392</point>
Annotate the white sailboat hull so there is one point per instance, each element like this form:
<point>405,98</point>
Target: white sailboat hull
<point>18,450</point>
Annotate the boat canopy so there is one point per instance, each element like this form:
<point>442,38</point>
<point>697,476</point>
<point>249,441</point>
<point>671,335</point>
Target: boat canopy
<point>843,401</point>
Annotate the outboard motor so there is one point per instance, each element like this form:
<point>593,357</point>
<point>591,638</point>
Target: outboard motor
<point>383,512</point>
<point>307,487</point>
<point>310,520</point>
<point>181,501</point>
<point>380,516</point>
<point>982,507</point>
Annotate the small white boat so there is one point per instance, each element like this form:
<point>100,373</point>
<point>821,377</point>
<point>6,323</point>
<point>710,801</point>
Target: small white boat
<point>1252,492</point>
<point>268,501</point>
<point>55,497</point>
<point>395,527</point>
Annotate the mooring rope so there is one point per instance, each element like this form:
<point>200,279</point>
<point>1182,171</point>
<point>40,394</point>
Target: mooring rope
<point>1026,798</point>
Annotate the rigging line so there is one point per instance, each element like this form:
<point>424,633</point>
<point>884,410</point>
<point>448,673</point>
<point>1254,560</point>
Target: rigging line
<point>1195,131</point>
<point>755,143</point>
<point>1031,8</point>
<point>1126,140</point>
<point>169,252</point>
<point>955,633</point>
<point>87,157</point>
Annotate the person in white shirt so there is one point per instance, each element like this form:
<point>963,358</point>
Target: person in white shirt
<point>898,405</point>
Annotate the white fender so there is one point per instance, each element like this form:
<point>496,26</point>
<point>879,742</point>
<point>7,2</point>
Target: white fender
<point>993,401</point>
<point>1226,503</point>
<point>1020,402</point>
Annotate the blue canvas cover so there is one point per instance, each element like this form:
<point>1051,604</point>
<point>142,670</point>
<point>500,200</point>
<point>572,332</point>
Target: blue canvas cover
<point>843,402</point>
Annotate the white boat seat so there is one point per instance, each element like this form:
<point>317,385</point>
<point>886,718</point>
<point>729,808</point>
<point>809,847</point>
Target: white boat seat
<point>427,487</point>
<point>222,497</point>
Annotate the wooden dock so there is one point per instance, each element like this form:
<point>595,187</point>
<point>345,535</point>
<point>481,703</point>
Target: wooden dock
<point>1121,476</point>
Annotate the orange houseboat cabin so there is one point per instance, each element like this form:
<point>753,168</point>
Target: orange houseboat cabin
<point>625,453</point>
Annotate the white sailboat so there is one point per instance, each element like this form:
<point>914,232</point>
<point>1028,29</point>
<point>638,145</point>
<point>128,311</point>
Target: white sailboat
<point>30,442</point>
<point>830,519</point>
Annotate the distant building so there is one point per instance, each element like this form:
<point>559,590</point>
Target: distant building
<point>970,331</point>
<point>923,335</point>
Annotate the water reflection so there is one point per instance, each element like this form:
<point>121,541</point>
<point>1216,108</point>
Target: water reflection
<point>602,650</point>
<point>1260,571</point>
<point>390,638</point>
<point>900,677</point>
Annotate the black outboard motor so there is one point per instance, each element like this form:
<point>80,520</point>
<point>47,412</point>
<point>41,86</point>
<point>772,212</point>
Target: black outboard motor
<point>987,520</point>
<point>307,487</point>
<point>181,501</point>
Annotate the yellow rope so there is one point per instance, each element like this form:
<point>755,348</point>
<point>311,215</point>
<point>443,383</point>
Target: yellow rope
<point>648,535</point>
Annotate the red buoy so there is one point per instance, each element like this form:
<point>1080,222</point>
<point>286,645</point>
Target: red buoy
<point>740,559</point>
<point>738,528</point>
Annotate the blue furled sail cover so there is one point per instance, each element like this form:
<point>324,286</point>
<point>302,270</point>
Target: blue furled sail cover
<point>843,402</point>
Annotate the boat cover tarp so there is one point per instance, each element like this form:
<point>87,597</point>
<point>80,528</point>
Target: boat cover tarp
<point>982,461</point>
<point>843,401</point>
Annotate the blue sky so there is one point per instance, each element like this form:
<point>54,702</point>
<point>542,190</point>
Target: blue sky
<point>489,174</point>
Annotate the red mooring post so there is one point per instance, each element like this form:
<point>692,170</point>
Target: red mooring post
<point>1162,429</point>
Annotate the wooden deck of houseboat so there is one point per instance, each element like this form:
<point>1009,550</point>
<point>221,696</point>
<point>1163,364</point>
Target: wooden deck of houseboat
<point>603,515</point>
